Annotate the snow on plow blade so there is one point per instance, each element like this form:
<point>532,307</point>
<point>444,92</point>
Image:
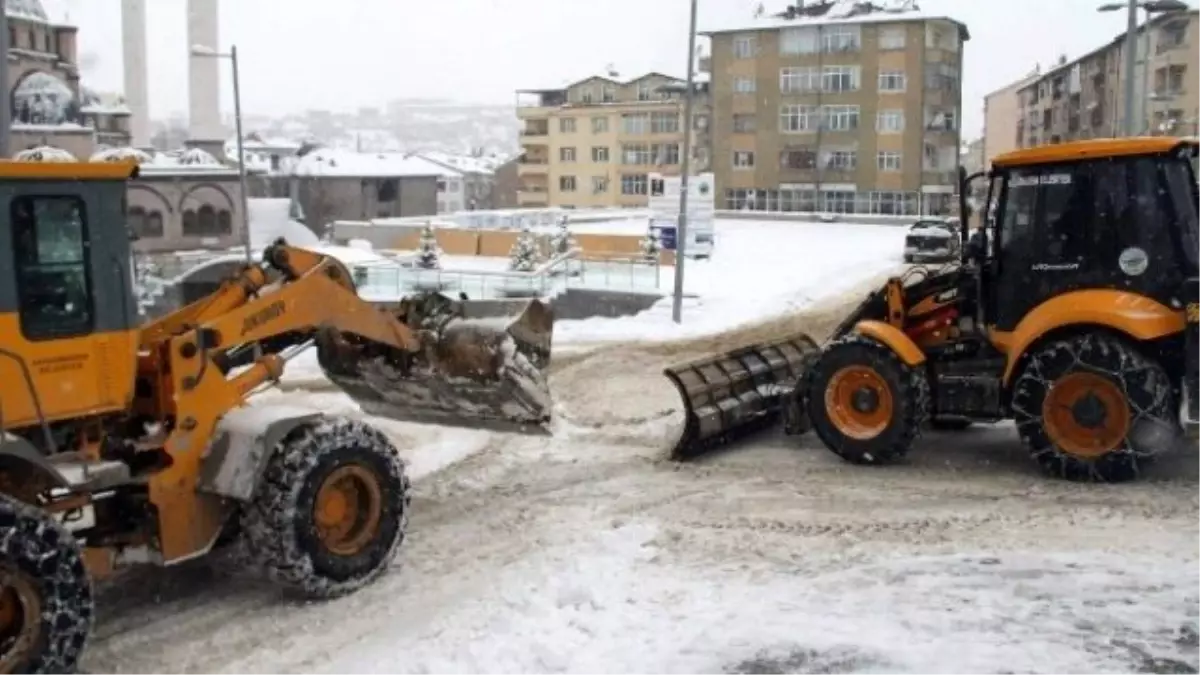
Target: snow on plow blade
<point>477,372</point>
<point>735,393</point>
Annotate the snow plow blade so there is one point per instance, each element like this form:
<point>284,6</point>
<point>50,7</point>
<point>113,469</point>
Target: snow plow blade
<point>474,371</point>
<point>728,396</point>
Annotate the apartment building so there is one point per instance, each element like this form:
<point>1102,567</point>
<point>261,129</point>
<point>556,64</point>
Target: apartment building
<point>838,107</point>
<point>1084,98</point>
<point>1001,110</point>
<point>594,142</point>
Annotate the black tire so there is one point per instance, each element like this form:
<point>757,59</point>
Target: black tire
<point>280,526</point>
<point>949,423</point>
<point>1143,384</point>
<point>45,563</point>
<point>907,388</point>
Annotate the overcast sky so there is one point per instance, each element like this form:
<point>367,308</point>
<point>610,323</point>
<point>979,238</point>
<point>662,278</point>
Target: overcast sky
<point>299,54</point>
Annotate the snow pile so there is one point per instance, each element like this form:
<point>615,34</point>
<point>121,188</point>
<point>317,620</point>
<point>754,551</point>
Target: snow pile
<point>758,271</point>
<point>44,153</point>
<point>122,154</point>
<point>149,285</point>
<point>270,220</point>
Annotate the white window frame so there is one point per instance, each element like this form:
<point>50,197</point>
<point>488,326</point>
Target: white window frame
<point>799,79</point>
<point>567,184</point>
<point>745,47</point>
<point>893,81</point>
<point>600,154</point>
<point>566,125</point>
<point>890,121</point>
<point>744,85</point>
<point>600,124</point>
<point>599,185</point>
<point>839,160</point>
<point>635,124</point>
<point>635,184</point>
<point>743,159</point>
<point>841,78</point>
<point>889,161</point>
<point>798,118</point>
<point>566,154</point>
<point>835,39</point>
<point>841,117</point>
<point>743,129</point>
<point>664,123</point>
<point>798,40</point>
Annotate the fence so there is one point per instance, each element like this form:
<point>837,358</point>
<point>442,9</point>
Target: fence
<point>388,281</point>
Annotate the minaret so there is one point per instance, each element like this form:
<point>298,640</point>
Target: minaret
<point>204,77</point>
<point>133,37</point>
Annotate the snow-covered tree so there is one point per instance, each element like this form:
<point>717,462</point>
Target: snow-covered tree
<point>561,241</point>
<point>523,257</point>
<point>650,246</point>
<point>429,254</point>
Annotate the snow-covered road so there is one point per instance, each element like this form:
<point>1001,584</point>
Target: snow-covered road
<point>589,552</point>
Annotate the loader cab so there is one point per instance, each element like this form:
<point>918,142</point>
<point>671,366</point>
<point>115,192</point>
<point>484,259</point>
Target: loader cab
<point>66,305</point>
<point>1116,214</point>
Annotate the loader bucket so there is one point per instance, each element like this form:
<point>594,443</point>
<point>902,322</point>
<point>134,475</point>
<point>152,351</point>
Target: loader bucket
<point>728,396</point>
<point>476,372</point>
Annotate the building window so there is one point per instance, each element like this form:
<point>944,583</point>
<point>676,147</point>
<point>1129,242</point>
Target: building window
<point>225,221</point>
<point>566,125</point>
<point>599,184</point>
<point>888,161</point>
<point>608,94</point>
<point>665,153</point>
<point>743,123</point>
<point>744,47</point>
<point>664,123</point>
<point>636,154</point>
<point>841,39</point>
<point>566,183</point>
<point>840,78</point>
<point>841,160</point>
<point>634,184</point>
<point>585,95</point>
<point>743,159</point>
<point>891,37</point>
<point>837,201</point>
<point>645,91</point>
<point>796,118</point>
<point>599,125</point>
<point>798,159</point>
<point>840,117</point>
<point>892,81</point>
<point>154,224</point>
<point>743,85</point>
<point>600,154</point>
<point>566,154</point>
<point>944,120</point>
<point>799,80</point>
<point>635,124</point>
<point>801,40</point>
<point>890,121</point>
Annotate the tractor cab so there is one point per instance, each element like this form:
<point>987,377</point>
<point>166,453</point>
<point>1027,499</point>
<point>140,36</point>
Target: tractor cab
<point>1098,214</point>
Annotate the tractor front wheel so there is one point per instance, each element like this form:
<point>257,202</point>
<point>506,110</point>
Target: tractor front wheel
<point>1079,402</point>
<point>45,592</point>
<point>865,404</point>
<point>331,510</point>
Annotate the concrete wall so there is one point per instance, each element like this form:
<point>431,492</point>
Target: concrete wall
<point>329,198</point>
<point>170,212</point>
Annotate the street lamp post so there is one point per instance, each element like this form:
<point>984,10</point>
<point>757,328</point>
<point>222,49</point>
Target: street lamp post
<point>681,237</point>
<point>204,51</point>
<point>1131,30</point>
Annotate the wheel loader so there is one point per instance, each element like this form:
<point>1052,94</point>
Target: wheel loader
<point>128,444</point>
<point>1072,312</point>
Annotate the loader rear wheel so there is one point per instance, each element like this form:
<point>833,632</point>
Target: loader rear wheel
<point>331,511</point>
<point>865,404</point>
<point>1078,403</point>
<point>45,592</point>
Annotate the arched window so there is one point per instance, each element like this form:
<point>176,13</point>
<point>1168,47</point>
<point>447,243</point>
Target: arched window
<point>190,226</point>
<point>208,220</point>
<point>225,221</point>
<point>154,224</point>
<point>135,220</point>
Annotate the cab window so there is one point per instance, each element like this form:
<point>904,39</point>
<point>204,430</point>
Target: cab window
<point>53,287</point>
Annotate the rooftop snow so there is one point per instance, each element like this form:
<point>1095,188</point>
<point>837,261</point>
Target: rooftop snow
<point>29,10</point>
<point>840,13</point>
<point>270,219</point>
<point>612,75</point>
<point>45,153</point>
<point>331,162</point>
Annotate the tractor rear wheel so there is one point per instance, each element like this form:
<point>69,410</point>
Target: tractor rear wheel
<point>331,511</point>
<point>1077,403</point>
<point>45,592</point>
<point>865,404</point>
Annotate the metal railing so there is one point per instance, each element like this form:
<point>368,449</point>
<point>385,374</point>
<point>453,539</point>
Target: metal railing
<point>384,281</point>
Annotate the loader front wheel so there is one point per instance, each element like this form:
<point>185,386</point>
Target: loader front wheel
<point>1080,403</point>
<point>331,510</point>
<point>45,592</point>
<point>865,404</point>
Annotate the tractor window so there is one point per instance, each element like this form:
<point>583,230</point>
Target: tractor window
<point>1045,218</point>
<point>1181,186</point>
<point>53,285</point>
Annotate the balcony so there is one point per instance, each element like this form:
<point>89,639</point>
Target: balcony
<point>533,167</point>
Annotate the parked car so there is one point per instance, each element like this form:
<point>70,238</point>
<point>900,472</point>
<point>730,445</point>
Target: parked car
<point>932,240</point>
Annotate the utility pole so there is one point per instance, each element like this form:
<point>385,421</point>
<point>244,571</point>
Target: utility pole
<point>6,108</point>
<point>1130,63</point>
<point>684,169</point>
